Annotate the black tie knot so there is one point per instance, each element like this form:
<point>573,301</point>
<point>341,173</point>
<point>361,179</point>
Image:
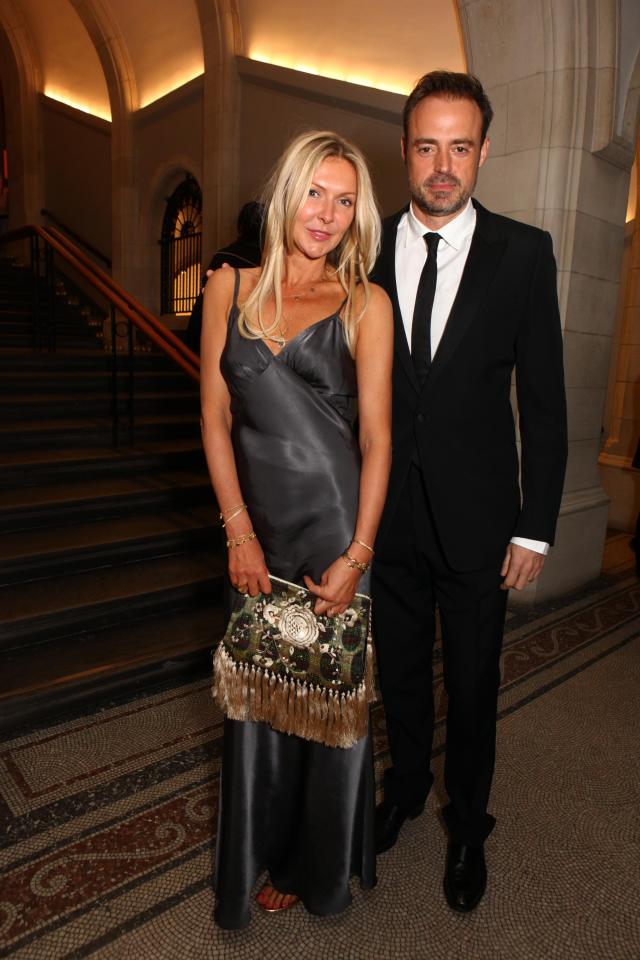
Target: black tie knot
<point>432,240</point>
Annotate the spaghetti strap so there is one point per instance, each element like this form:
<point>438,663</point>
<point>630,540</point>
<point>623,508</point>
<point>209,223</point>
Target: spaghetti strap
<point>236,287</point>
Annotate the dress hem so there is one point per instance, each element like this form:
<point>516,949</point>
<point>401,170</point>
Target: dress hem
<point>364,885</point>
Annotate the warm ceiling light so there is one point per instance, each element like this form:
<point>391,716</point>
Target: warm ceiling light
<point>330,74</point>
<point>162,91</point>
<point>95,110</point>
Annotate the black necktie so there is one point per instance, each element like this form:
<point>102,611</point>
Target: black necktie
<point>421,326</point>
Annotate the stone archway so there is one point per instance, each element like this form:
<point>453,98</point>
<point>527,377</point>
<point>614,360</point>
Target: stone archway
<point>20,74</point>
<point>163,182</point>
<point>557,162</point>
<point>116,62</point>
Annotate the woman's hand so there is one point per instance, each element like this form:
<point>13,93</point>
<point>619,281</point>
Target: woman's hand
<point>247,570</point>
<point>336,589</point>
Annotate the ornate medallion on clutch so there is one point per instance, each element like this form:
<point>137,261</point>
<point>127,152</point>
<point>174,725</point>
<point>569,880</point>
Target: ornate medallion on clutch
<point>302,673</point>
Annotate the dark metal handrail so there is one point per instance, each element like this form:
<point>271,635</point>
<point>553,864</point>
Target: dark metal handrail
<point>141,318</point>
<point>47,241</point>
<point>70,232</point>
<point>174,345</point>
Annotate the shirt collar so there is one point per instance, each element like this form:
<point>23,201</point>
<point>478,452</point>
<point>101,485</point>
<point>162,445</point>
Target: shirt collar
<point>454,233</point>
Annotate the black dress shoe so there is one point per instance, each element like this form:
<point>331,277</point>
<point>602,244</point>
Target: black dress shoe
<point>389,820</point>
<point>465,876</point>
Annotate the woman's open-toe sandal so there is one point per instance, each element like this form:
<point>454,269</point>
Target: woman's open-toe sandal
<point>272,900</point>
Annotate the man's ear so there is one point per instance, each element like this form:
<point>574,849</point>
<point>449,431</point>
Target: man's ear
<point>484,150</point>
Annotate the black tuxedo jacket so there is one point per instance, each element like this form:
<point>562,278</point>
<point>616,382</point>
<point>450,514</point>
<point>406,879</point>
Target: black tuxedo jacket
<point>461,423</point>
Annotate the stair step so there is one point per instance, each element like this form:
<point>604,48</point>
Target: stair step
<point>91,356</point>
<point>67,341</point>
<point>62,606</point>
<point>36,466</point>
<point>15,321</point>
<point>36,554</point>
<point>94,431</point>
<point>92,667</point>
<point>74,501</point>
<point>16,407</point>
<point>99,381</point>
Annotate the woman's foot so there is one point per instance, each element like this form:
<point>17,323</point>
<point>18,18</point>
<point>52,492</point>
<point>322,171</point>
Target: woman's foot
<point>272,900</point>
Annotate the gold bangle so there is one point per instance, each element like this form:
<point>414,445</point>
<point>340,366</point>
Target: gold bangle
<point>238,541</point>
<point>365,545</point>
<point>222,512</point>
<point>353,563</point>
<point>234,511</point>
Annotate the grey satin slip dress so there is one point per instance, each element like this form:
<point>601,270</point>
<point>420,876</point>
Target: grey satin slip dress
<point>298,809</point>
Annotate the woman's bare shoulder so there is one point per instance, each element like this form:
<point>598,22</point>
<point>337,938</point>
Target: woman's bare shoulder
<point>224,277</point>
<point>376,301</point>
<point>379,296</point>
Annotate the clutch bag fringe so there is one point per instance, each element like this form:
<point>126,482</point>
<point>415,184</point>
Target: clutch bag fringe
<point>302,673</point>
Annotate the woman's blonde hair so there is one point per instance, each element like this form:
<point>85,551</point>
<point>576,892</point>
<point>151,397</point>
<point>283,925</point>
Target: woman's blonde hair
<point>351,260</point>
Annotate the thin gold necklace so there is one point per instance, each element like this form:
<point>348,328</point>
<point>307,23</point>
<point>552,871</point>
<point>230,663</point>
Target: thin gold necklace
<point>303,292</point>
<point>281,341</point>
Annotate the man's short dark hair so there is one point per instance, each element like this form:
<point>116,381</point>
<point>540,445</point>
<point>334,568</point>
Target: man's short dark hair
<point>454,86</point>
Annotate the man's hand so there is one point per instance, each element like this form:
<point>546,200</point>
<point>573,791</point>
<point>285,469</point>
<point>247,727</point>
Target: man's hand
<point>209,273</point>
<point>520,567</point>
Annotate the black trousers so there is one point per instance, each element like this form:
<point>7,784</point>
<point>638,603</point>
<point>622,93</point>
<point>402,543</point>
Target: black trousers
<point>410,577</point>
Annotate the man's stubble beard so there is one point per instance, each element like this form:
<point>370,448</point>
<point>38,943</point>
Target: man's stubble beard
<point>447,204</point>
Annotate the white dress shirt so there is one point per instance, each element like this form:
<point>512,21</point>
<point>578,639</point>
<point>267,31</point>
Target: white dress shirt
<point>453,250</point>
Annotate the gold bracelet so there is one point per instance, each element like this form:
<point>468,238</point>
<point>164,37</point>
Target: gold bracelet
<point>236,513</point>
<point>238,541</point>
<point>365,545</point>
<point>222,513</point>
<point>353,563</point>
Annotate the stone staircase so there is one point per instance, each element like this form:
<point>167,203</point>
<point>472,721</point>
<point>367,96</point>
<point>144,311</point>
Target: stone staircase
<point>111,568</point>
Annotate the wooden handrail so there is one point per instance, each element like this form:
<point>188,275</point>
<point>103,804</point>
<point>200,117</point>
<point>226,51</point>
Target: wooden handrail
<point>76,237</point>
<point>128,306</point>
<point>105,278</point>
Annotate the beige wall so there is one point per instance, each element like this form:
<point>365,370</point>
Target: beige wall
<point>278,103</point>
<point>168,137</point>
<point>77,171</point>
<point>169,132</point>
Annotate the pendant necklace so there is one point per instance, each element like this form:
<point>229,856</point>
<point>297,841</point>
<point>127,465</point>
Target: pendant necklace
<point>279,340</point>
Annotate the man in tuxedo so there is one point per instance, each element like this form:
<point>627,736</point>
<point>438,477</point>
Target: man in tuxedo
<point>474,296</point>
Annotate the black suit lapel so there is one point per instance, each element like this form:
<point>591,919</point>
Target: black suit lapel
<point>385,274</point>
<point>485,253</point>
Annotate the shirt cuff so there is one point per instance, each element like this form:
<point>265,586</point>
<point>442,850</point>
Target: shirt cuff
<point>538,545</point>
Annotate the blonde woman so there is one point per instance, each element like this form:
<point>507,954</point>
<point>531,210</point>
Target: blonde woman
<point>291,351</point>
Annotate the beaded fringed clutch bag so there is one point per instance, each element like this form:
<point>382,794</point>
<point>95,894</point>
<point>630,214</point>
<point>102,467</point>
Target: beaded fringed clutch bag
<point>305,674</point>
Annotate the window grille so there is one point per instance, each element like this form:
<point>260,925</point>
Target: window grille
<point>181,248</point>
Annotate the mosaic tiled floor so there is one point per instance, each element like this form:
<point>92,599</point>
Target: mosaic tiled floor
<point>107,822</point>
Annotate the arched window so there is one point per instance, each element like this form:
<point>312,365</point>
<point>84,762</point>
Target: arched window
<point>181,247</point>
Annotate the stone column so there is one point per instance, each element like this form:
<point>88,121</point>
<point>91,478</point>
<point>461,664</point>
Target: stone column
<point>550,70</point>
<point>221,41</point>
<point>621,482</point>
